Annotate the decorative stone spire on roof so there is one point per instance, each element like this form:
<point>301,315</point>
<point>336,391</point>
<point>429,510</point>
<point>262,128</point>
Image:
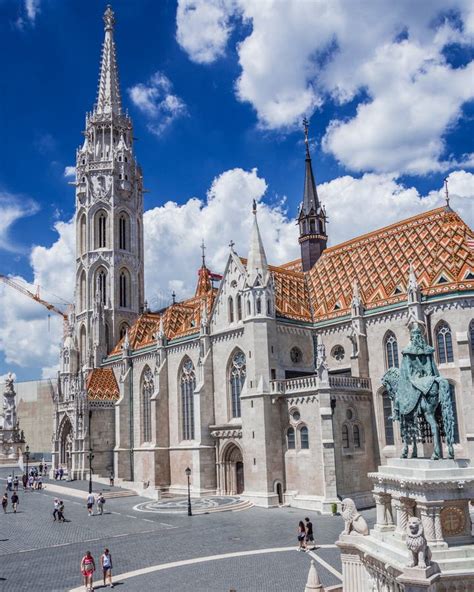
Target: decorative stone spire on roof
<point>204,285</point>
<point>108,96</point>
<point>257,260</point>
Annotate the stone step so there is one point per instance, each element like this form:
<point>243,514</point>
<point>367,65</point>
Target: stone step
<point>243,505</point>
<point>118,494</point>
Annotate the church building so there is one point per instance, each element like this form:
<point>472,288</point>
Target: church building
<point>267,385</point>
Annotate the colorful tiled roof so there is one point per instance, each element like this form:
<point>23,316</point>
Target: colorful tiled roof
<point>436,242</point>
<point>102,385</point>
<point>291,294</point>
<point>179,319</point>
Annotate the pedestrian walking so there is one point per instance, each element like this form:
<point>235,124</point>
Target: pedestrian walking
<point>40,482</point>
<point>61,517</point>
<point>5,502</point>
<point>45,470</point>
<point>106,564</point>
<point>111,480</point>
<point>24,480</point>
<point>90,504</point>
<point>15,483</point>
<point>61,473</point>
<point>301,535</point>
<point>100,503</point>
<point>40,468</point>
<point>9,483</point>
<point>309,537</point>
<point>31,480</point>
<point>14,500</point>
<point>87,570</point>
<point>56,507</point>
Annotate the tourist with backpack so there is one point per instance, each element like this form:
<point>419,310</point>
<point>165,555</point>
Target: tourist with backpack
<point>100,504</point>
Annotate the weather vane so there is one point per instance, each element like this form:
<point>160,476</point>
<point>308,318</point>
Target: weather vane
<point>306,129</point>
<point>203,250</point>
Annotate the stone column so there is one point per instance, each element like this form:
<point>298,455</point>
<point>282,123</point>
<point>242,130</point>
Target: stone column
<point>404,510</point>
<point>430,514</point>
<point>353,573</point>
<point>383,507</point>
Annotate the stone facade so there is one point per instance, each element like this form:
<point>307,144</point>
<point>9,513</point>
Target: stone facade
<point>268,385</point>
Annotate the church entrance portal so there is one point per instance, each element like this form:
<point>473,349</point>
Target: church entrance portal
<point>65,452</point>
<point>232,471</point>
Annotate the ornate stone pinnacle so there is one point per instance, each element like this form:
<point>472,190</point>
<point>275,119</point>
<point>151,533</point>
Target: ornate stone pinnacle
<point>109,18</point>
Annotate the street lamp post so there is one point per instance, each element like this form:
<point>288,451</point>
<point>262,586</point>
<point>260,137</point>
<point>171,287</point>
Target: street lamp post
<point>188,475</point>
<point>27,456</point>
<point>90,456</point>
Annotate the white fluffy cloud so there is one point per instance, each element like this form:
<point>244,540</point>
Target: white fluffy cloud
<point>387,56</point>
<point>173,234</point>
<point>12,208</point>
<point>156,100</point>
<point>203,28</point>
<point>28,13</point>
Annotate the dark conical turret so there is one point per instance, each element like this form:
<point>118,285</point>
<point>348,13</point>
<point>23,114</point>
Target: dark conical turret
<point>312,217</point>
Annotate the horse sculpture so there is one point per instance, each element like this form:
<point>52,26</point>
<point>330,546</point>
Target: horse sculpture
<point>418,389</point>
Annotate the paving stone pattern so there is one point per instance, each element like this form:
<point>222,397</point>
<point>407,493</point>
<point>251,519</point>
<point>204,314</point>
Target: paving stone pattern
<point>39,554</point>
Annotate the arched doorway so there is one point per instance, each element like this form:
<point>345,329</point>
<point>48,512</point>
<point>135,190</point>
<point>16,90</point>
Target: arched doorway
<point>65,445</point>
<point>232,470</point>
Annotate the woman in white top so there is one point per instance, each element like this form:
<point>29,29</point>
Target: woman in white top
<point>106,564</point>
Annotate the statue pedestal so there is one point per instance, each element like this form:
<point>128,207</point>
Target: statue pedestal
<point>10,446</point>
<point>438,494</point>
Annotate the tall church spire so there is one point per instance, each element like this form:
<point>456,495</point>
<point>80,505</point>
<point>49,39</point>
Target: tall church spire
<point>312,217</point>
<point>257,260</point>
<point>108,96</point>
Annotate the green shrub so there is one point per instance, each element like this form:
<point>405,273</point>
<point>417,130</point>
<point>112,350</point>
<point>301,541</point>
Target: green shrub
<point>334,509</point>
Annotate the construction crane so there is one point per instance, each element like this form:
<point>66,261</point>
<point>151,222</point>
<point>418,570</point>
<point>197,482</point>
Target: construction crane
<point>36,297</point>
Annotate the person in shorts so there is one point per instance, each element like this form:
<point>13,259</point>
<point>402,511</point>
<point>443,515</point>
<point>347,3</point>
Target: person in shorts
<point>90,504</point>
<point>301,535</point>
<point>106,564</point>
<point>87,570</point>
<point>309,537</point>
<point>61,511</point>
<point>100,504</point>
<point>14,500</point>
<point>5,502</point>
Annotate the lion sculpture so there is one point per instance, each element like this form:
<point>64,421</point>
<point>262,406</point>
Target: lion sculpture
<point>416,543</point>
<point>354,523</point>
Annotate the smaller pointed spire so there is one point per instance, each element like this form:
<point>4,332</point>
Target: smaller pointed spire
<point>203,253</point>
<point>446,192</point>
<point>412,281</point>
<point>310,196</point>
<point>257,260</point>
<point>161,330</point>
<point>356,298</point>
<point>173,297</point>
<point>126,342</point>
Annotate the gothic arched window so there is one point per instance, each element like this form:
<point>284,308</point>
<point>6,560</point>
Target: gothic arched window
<point>124,231</point>
<point>101,230</point>
<point>356,436</point>
<point>237,373</point>
<point>82,341</point>
<point>101,285</point>
<point>123,330</point>
<point>444,343</point>
<point>452,390</point>
<point>147,392</point>
<point>239,307</point>
<point>259,305</point>
<point>290,438</point>
<point>124,289</point>
<point>345,436</point>
<point>391,350</point>
<point>387,419</point>
<point>188,384</point>
<point>230,304</point>
<point>304,438</point>
<point>82,291</point>
<point>82,234</point>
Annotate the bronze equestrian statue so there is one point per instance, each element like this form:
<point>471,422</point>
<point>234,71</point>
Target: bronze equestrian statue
<point>418,389</point>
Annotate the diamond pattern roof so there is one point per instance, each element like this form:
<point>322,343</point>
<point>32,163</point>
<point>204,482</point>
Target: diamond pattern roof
<point>436,242</point>
<point>102,386</point>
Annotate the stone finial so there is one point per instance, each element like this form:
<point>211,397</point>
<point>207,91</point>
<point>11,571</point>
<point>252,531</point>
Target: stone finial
<point>417,545</point>
<point>354,523</point>
<point>313,583</point>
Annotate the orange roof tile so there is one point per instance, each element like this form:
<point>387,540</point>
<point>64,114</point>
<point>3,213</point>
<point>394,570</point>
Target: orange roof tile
<point>436,243</point>
<point>291,294</point>
<point>102,386</point>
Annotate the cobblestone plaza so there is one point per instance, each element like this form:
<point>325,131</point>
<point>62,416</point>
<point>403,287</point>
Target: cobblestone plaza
<point>246,550</point>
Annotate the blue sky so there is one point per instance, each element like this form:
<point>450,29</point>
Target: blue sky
<point>391,116</point>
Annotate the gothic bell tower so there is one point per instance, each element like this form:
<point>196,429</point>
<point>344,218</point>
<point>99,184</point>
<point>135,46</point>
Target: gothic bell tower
<point>312,217</point>
<point>109,219</point>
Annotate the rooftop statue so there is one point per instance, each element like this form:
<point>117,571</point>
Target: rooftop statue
<point>417,389</point>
